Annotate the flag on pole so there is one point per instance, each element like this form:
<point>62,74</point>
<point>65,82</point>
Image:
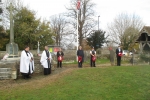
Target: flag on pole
<point>78,4</point>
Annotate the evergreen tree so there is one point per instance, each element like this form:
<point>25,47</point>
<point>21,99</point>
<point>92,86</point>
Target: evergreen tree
<point>96,39</point>
<point>25,25</point>
<point>4,37</point>
<point>29,30</point>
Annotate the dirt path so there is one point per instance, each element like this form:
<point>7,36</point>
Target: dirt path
<point>37,80</point>
<point>40,79</point>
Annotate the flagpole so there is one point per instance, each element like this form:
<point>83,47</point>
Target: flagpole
<point>78,7</point>
<point>77,32</point>
<point>77,29</point>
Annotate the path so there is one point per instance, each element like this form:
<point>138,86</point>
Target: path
<point>40,79</point>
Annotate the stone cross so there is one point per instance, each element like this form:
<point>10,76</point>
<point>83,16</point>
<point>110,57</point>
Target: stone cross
<point>38,50</point>
<point>11,24</point>
<point>11,47</point>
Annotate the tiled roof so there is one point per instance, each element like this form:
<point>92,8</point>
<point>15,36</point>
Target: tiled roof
<point>146,29</point>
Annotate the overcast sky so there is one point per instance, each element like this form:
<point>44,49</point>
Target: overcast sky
<point>107,9</point>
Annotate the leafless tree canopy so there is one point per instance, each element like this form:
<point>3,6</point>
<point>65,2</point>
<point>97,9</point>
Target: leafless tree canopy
<point>85,20</point>
<point>125,29</point>
<point>58,24</point>
<point>17,4</point>
<point>61,28</point>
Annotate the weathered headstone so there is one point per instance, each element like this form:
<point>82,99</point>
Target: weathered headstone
<point>112,56</point>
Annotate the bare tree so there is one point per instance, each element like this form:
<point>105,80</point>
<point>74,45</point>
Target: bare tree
<point>85,18</point>
<point>17,4</point>
<point>63,31</point>
<point>125,29</point>
<point>58,24</point>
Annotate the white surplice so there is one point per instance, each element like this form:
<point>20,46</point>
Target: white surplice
<point>25,62</point>
<point>44,58</point>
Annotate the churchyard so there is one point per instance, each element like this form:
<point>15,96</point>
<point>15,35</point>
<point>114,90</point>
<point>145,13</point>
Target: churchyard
<point>103,82</point>
<point>106,81</point>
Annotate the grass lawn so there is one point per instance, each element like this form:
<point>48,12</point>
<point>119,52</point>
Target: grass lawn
<point>108,83</point>
<point>98,61</point>
<point>102,61</point>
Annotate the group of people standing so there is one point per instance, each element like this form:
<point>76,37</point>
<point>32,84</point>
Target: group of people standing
<point>80,55</point>
<point>27,60</point>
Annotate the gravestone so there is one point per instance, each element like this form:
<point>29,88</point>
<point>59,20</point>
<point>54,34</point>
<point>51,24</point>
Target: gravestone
<point>112,56</point>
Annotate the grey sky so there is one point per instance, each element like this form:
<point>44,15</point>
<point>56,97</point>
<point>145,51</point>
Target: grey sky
<point>107,9</point>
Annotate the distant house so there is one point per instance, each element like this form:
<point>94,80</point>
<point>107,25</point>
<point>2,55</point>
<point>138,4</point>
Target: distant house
<point>144,39</point>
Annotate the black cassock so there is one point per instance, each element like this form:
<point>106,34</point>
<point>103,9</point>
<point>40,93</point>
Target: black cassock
<point>47,70</point>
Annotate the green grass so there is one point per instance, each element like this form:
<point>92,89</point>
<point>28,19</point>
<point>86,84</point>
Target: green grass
<point>102,61</point>
<point>110,83</point>
<point>98,61</point>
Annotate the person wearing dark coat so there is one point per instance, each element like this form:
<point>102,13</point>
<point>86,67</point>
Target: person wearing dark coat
<point>93,54</point>
<point>60,55</point>
<point>80,55</point>
<point>118,55</point>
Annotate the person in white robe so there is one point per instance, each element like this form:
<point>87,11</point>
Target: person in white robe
<point>26,63</point>
<point>46,61</point>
